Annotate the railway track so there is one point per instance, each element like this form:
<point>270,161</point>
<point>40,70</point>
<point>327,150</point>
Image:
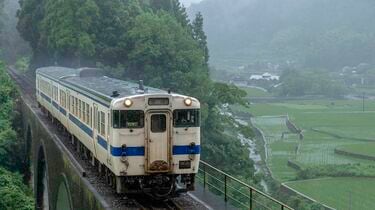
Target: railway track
<point>150,204</point>
<point>26,83</point>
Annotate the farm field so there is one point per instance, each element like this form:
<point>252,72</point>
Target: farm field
<point>326,125</point>
<point>339,193</point>
<point>255,92</point>
<point>363,149</point>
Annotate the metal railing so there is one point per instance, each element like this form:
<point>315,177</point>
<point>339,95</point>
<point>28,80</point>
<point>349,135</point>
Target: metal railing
<point>238,193</point>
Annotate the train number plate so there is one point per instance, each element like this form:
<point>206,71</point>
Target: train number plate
<point>185,164</point>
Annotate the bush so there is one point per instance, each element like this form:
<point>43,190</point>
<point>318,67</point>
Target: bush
<point>345,170</point>
<point>22,64</point>
<point>13,193</point>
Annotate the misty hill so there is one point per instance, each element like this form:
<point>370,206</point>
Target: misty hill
<point>319,33</point>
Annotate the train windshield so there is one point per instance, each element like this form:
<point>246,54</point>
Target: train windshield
<point>128,119</point>
<point>186,118</point>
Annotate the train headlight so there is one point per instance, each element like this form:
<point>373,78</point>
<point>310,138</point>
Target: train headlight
<point>188,101</point>
<point>128,102</point>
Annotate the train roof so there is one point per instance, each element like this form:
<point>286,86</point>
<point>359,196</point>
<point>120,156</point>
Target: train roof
<point>93,80</point>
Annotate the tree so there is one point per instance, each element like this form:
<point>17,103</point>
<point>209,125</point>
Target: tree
<point>200,36</point>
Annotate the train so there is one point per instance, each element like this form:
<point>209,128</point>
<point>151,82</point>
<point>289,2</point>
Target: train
<point>142,139</point>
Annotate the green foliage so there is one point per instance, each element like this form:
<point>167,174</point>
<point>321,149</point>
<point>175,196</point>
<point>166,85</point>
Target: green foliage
<point>300,83</point>
<point>14,194</point>
<point>199,35</point>
<point>164,54</point>
<point>22,64</point>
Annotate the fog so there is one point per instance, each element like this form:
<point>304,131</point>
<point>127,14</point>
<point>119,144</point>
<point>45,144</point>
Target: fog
<point>333,40</point>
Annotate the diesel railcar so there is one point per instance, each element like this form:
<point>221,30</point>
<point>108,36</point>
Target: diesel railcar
<point>143,140</point>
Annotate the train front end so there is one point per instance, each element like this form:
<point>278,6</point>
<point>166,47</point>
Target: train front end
<point>157,137</point>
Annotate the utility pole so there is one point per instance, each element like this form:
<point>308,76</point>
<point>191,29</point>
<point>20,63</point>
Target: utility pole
<point>350,200</point>
<point>363,102</point>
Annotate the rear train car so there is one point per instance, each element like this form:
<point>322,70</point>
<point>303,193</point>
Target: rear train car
<point>143,139</point>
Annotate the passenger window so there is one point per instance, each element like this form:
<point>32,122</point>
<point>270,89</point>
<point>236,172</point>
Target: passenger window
<point>102,123</point>
<point>186,118</point>
<point>158,123</point>
<point>128,119</point>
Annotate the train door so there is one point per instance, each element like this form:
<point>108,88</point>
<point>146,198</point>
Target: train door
<point>158,142</point>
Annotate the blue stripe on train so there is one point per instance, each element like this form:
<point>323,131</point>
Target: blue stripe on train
<point>140,151</point>
<point>63,111</point>
<point>186,150</point>
<point>55,105</point>
<point>128,151</point>
<point>82,126</point>
<point>102,142</point>
<point>45,97</point>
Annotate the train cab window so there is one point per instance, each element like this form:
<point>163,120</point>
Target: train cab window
<point>128,119</point>
<point>158,123</point>
<point>186,118</point>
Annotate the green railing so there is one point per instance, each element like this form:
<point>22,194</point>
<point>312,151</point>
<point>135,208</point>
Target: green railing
<point>238,193</point>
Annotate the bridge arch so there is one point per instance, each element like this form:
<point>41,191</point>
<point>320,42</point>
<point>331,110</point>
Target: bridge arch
<point>63,197</point>
<point>42,198</point>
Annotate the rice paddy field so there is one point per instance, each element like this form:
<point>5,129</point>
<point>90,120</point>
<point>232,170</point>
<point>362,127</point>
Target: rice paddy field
<point>354,193</point>
<point>255,92</point>
<point>326,125</point>
<point>363,149</point>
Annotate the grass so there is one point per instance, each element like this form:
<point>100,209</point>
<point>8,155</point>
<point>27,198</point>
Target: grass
<point>340,193</point>
<point>363,149</point>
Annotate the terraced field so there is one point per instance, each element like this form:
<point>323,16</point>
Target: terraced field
<point>340,193</point>
<point>363,149</point>
<point>326,125</point>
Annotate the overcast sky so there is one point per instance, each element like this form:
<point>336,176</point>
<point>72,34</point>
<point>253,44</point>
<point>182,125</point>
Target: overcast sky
<point>187,3</point>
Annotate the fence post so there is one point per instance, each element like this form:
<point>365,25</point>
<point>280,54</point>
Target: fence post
<point>204,176</point>
<point>225,187</point>
<point>251,198</point>
<point>282,207</point>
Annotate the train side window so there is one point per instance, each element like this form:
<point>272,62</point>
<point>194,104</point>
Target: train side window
<point>76,107</point>
<point>71,104</point>
<point>102,123</point>
<point>98,121</point>
<point>88,114</point>
<point>79,108</point>
<point>128,119</point>
<point>91,117</point>
<point>186,118</point>
<point>83,111</point>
